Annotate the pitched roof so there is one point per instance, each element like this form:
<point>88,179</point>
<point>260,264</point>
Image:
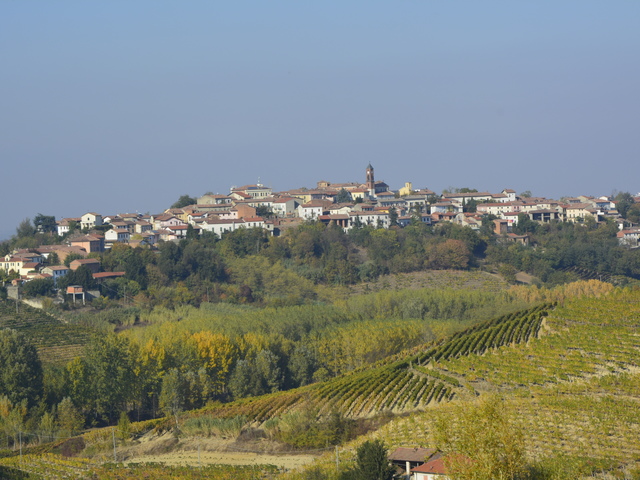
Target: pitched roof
<point>86,261</point>
<point>435,465</point>
<point>417,454</point>
<point>108,275</point>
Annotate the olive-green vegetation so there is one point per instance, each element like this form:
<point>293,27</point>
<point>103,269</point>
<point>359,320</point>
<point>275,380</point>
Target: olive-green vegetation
<point>187,357</point>
<point>564,371</point>
<point>567,397</point>
<point>49,465</point>
<point>249,266</point>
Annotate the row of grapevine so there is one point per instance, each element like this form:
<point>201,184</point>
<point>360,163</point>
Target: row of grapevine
<point>505,330</point>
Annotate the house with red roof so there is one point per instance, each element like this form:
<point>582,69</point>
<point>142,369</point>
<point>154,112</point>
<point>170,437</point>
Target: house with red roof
<point>434,469</point>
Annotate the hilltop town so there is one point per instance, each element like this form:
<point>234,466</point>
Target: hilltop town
<point>347,205</point>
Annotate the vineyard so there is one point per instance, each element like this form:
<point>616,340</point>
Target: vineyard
<point>576,388</point>
<point>53,466</point>
<point>56,341</point>
<point>406,385</point>
<point>570,370</point>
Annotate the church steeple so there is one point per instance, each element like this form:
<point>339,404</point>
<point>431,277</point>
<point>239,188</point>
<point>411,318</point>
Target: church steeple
<point>371,183</point>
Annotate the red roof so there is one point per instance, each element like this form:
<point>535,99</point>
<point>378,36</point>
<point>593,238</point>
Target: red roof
<point>108,274</point>
<point>432,466</point>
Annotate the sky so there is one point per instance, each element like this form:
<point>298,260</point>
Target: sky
<point>124,106</point>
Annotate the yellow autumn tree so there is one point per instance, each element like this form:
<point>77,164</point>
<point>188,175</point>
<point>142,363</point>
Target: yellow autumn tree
<point>217,354</point>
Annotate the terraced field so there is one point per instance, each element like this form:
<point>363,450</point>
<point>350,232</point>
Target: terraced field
<point>576,388</point>
<point>56,341</point>
<point>406,385</point>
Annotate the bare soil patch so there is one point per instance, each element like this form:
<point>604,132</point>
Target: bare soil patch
<point>208,451</point>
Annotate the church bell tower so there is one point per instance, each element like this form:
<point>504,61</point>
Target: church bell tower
<point>371,183</point>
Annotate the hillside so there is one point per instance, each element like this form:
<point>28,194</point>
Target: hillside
<point>571,371</point>
<point>57,342</point>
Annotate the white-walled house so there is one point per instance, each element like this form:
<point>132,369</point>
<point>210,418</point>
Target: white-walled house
<point>90,220</point>
<point>56,272</point>
<point>311,210</point>
<point>116,235</point>
<point>221,226</point>
<point>629,237</point>
<point>284,206</point>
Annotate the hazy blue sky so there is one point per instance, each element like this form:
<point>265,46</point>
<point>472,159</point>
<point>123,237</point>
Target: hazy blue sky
<point>123,106</point>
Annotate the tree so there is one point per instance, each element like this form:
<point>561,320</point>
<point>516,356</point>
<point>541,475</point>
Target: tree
<point>71,257</point>
<point>525,194</point>
<point>393,217</point>
<point>70,419</point>
<point>263,211</point>
<point>82,276</point>
<point>343,196</point>
<point>372,463</point>
<point>470,205</point>
<point>104,381</point>
<point>624,201</point>
<point>184,201</point>
<point>21,376</point>
<point>124,427</point>
<point>449,254</point>
<point>53,259</point>
<point>525,225</point>
<point>481,440</point>
<point>25,229</point>
<point>256,376</point>
<point>45,223</point>
<point>39,287</point>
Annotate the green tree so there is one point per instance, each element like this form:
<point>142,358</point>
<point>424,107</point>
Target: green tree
<point>393,217</point>
<point>82,276</point>
<point>39,287</point>
<point>21,376</point>
<point>47,428</point>
<point>372,463</point>
<point>124,427</point>
<point>470,205</point>
<point>45,223</point>
<point>525,225</point>
<point>256,376</point>
<point>25,229</point>
<point>343,196</point>
<point>263,211</point>
<point>184,201</point>
<point>104,381</point>
<point>53,259</point>
<point>624,201</point>
<point>70,420</point>
<point>71,257</point>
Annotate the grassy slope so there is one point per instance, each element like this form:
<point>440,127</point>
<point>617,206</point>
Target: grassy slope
<point>56,341</point>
